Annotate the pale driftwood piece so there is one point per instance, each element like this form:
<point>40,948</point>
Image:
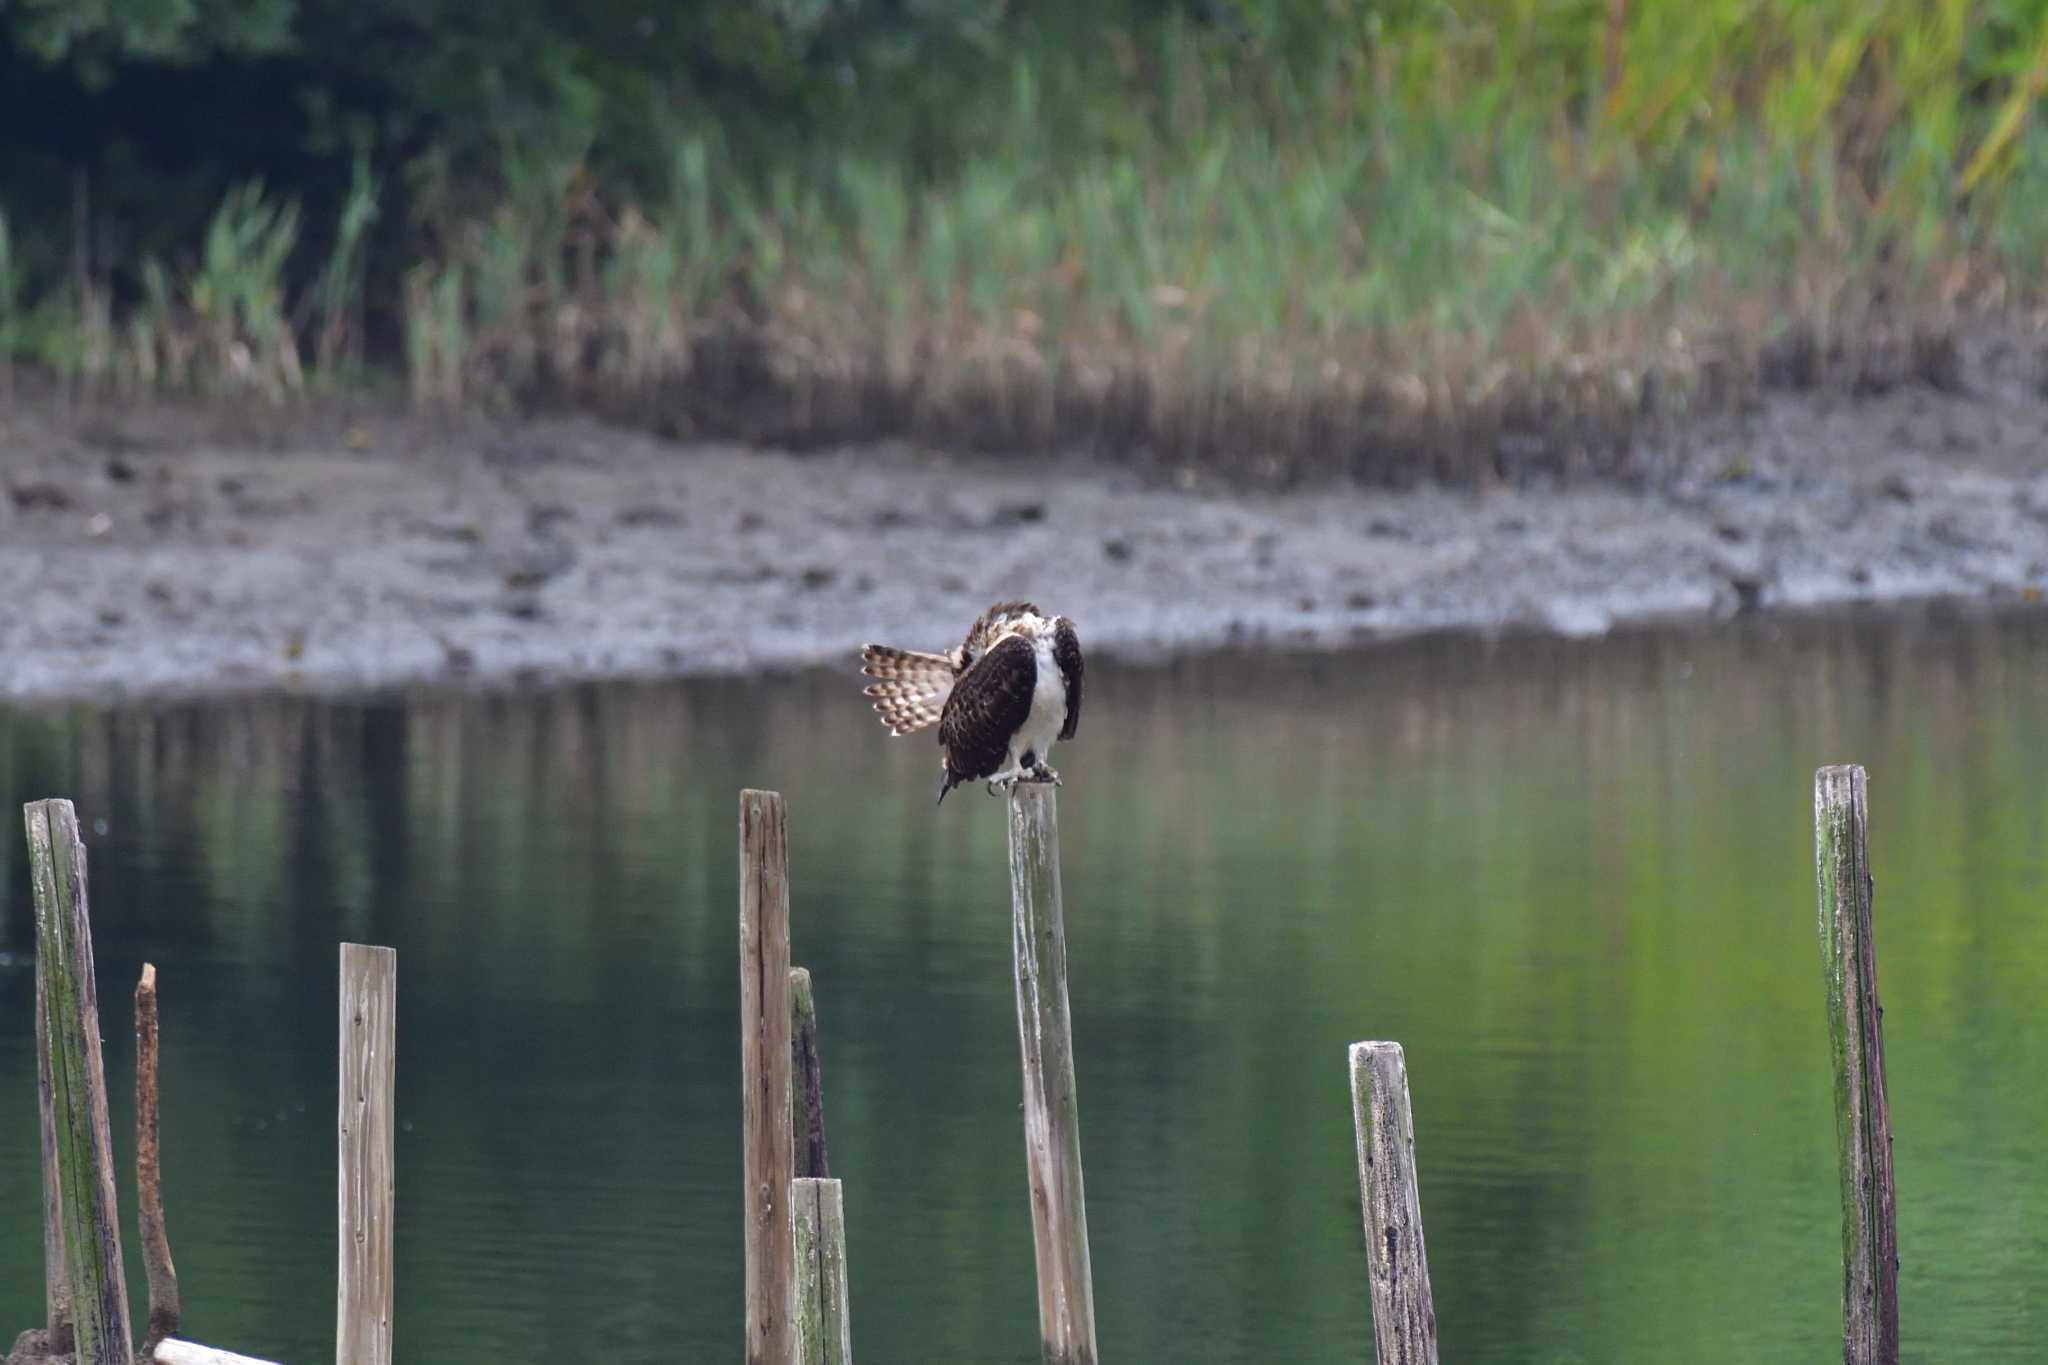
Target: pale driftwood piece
<point>369,1019</point>
<point>767,1154</point>
<point>57,1334</point>
<point>165,1308</point>
<point>1863,1132</point>
<point>172,1351</point>
<point>1052,1120</point>
<point>78,1088</point>
<point>1403,1314</point>
<point>824,1333</point>
<point>807,1082</point>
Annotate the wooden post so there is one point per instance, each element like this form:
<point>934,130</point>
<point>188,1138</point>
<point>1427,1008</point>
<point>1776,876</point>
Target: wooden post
<point>57,1333</point>
<point>1863,1132</point>
<point>369,1017</point>
<point>1403,1314</point>
<point>824,1335</point>
<point>1052,1121</point>
<point>78,1087</point>
<point>807,1083</point>
<point>165,1307</point>
<point>767,1155</point>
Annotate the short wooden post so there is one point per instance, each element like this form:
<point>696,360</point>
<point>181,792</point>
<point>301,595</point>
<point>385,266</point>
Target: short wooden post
<point>165,1307</point>
<point>78,1087</point>
<point>1403,1314</point>
<point>1863,1133</point>
<point>807,1081</point>
<point>1052,1121</point>
<point>767,1155</point>
<point>824,1334</point>
<point>369,1019</point>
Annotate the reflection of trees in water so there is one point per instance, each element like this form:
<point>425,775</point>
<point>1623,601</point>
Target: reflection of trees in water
<point>1573,877</point>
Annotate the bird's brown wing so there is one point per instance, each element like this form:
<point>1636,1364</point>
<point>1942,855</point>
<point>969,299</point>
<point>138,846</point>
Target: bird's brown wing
<point>1066,652</point>
<point>988,704</point>
<point>912,689</point>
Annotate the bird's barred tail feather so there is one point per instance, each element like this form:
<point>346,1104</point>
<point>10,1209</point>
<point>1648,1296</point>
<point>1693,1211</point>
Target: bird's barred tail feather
<point>912,687</point>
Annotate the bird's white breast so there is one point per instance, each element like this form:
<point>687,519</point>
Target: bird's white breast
<point>1048,703</point>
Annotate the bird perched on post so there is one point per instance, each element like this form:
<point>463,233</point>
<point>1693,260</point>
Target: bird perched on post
<point>1000,697</point>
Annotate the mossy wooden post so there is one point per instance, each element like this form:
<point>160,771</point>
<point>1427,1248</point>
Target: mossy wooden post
<point>767,1154</point>
<point>57,1334</point>
<point>165,1306</point>
<point>1052,1121</point>
<point>807,1083</point>
<point>1863,1132</point>
<point>78,1087</point>
<point>369,1030</point>
<point>824,1334</point>
<point>1403,1313</point>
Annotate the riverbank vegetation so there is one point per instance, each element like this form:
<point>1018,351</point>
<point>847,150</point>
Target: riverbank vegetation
<point>1273,238</point>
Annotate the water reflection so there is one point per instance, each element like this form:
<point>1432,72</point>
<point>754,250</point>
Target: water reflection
<point>1575,880</point>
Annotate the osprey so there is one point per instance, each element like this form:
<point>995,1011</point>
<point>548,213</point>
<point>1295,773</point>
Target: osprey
<point>1000,697</point>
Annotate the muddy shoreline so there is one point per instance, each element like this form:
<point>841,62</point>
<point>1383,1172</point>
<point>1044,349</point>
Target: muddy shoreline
<point>190,550</point>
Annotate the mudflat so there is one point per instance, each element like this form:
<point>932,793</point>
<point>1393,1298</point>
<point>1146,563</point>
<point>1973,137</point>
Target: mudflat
<point>200,547</point>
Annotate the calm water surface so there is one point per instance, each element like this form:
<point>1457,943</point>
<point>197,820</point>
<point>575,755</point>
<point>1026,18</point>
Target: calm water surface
<point>1574,879</point>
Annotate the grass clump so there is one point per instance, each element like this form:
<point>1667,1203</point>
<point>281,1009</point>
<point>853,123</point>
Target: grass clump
<point>1372,241</point>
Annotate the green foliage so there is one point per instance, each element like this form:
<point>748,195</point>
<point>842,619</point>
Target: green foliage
<point>1271,195</point>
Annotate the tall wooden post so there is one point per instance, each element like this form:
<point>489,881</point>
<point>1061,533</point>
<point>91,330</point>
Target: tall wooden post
<point>1052,1121</point>
<point>1403,1313</point>
<point>767,1155</point>
<point>1863,1132</point>
<point>369,1018</point>
<point>78,1087</point>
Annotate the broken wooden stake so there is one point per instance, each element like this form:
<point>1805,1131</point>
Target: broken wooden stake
<point>165,1308</point>
<point>807,1081</point>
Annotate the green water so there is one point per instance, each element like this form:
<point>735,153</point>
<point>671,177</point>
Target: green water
<point>1574,879</point>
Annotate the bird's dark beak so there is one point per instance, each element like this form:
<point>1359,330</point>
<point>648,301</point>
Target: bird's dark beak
<point>945,785</point>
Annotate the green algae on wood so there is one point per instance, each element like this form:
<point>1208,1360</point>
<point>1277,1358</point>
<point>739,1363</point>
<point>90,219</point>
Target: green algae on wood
<point>824,1334</point>
<point>78,1087</point>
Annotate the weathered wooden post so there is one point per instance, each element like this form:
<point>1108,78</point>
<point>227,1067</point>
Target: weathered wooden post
<point>165,1306</point>
<point>807,1082</point>
<point>1403,1313</point>
<point>57,1333</point>
<point>1052,1121</point>
<point>1863,1131</point>
<point>823,1321</point>
<point>824,1333</point>
<point>767,1154</point>
<point>78,1087</point>
<point>369,1019</point>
